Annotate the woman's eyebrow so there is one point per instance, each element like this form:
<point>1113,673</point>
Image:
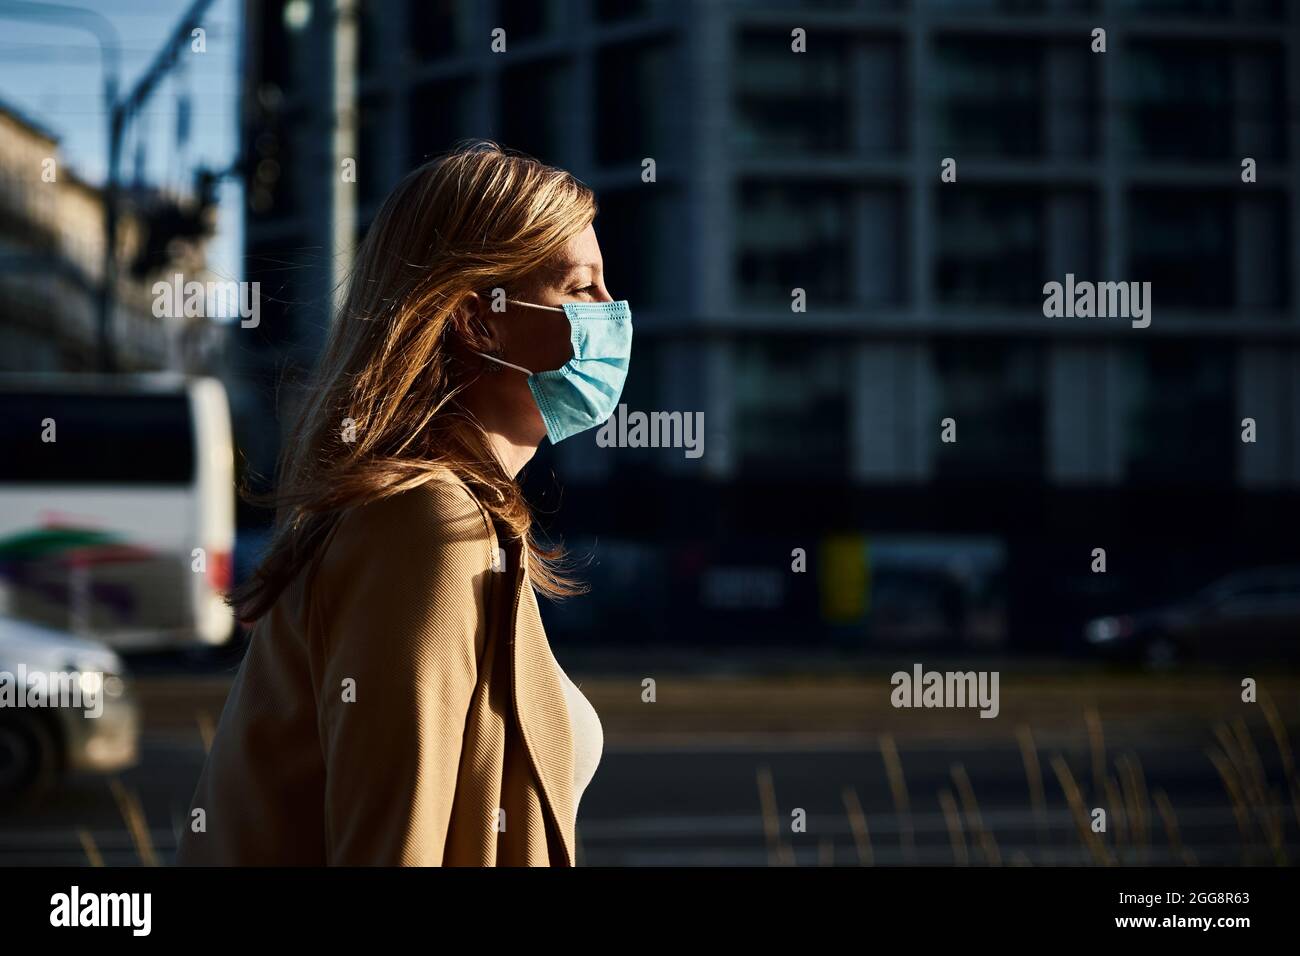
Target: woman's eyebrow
<point>576,267</point>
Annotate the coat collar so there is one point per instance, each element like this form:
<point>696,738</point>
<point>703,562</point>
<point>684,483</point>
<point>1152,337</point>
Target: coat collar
<point>539,701</point>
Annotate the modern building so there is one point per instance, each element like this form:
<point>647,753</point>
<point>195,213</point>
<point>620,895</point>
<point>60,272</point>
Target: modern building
<point>52,266</point>
<point>803,273</point>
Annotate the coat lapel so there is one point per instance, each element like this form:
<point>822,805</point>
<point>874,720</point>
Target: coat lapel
<point>541,707</point>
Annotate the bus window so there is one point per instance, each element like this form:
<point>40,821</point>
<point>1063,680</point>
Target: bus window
<point>100,439</point>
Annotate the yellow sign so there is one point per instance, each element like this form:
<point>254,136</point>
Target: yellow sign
<point>845,578</point>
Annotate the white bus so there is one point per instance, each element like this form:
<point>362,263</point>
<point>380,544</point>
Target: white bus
<point>117,508</point>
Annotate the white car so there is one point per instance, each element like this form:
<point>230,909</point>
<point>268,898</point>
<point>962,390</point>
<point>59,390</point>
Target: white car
<point>66,706</point>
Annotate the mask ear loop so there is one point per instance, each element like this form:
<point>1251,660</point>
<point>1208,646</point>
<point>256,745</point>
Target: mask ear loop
<point>534,305</point>
<point>493,358</point>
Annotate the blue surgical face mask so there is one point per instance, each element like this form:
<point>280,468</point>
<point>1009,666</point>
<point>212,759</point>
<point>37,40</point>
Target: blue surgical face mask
<point>583,392</point>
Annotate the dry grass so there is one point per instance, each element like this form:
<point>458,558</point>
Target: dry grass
<point>128,804</point>
<point>1255,803</point>
<point>858,824</point>
<point>88,844</point>
<point>902,802</point>
<point>955,832</point>
<point>1034,777</point>
<point>779,850</point>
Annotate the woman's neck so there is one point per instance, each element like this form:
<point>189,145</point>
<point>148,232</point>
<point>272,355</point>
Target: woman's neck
<point>513,455</point>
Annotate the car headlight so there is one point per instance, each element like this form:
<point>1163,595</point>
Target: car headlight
<point>98,675</point>
<point>91,682</point>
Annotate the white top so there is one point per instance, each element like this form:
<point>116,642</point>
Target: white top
<point>588,736</point>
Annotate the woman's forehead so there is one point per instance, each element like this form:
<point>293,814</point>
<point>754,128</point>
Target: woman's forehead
<point>566,263</point>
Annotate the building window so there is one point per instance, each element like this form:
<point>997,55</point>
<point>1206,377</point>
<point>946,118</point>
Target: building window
<point>994,392</point>
<point>988,96</point>
<point>1197,101</point>
<point>1210,249</point>
<point>1010,6</point>
<point>532,110</point>
<point>791,412</point>
<point>635,98</point>
<point>1182,243</point>
<point>639,239</point>
<point>1179,100</point>
<point>787,102</point>
<point>611,11</point>
<point>1007,96</point>
<point>1259,105</point>
<point>529,19</point>
<point>438,118</point>
<point>439,28</point>
<point>991,246</point>
<point>794,235</point>
<point>873,6</point>
<point>1179,421</point>
<point>883,94</point>
<point>1256,9</point>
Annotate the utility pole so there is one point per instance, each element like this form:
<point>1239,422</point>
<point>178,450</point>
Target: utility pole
<point>121,114</point>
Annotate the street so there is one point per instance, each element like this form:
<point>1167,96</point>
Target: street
<point>712,773</point>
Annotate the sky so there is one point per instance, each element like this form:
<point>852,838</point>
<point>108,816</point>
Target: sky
<point>52,73</point>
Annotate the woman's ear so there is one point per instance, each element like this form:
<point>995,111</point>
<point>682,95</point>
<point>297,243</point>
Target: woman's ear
<point>480,331</point>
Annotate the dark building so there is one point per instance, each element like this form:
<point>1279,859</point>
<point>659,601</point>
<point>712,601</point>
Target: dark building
<point>820,171</point>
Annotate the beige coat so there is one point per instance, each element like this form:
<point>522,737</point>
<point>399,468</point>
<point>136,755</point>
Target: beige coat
<point>400,705</point>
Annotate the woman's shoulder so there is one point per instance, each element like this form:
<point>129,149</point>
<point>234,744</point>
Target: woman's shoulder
<point>439,518</point>
<point>412,556</point>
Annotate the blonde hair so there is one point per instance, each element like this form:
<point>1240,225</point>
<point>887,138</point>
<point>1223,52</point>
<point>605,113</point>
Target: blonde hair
<point>477,218</point>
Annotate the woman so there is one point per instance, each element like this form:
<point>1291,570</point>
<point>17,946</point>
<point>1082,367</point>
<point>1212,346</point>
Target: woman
<point>399,703</point>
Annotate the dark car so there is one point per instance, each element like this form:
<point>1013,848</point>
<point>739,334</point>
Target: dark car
<point>1253,615</point>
